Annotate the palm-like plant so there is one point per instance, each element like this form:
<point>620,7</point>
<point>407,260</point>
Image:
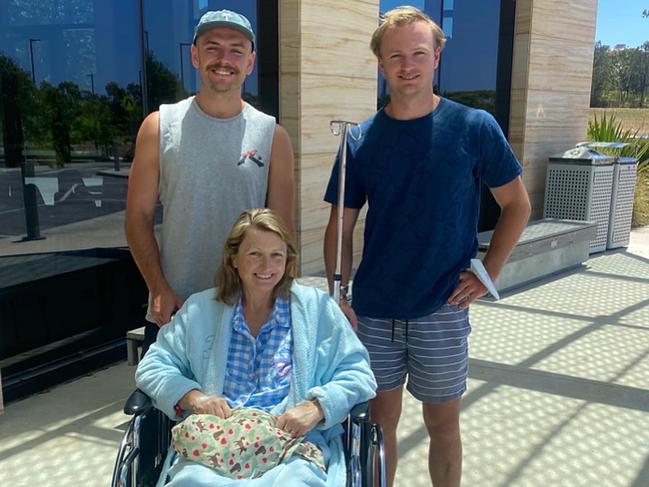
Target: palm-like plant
<point>609,129</point>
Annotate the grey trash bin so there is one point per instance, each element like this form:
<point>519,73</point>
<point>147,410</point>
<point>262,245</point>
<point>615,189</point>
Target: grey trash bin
<point>578,187</point>
<point>622,193</point>
<point>619,226</point>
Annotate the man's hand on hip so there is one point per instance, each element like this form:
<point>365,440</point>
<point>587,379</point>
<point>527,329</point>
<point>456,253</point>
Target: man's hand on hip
<point>467,291</point>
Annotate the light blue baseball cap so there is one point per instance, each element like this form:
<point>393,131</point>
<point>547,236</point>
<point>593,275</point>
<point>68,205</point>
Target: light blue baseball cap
<point>224,18</point>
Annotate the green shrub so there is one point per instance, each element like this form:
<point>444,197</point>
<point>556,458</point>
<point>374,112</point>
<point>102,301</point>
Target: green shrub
<point>609,129</point>
<point>641,200</point>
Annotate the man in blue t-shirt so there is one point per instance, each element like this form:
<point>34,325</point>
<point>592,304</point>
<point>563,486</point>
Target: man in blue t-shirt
<point>418,164</point>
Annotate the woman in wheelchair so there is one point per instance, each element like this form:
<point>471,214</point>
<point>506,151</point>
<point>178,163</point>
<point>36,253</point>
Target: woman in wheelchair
<point>258,343</point>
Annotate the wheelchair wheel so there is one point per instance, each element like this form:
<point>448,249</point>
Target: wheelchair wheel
<point>378,455</point>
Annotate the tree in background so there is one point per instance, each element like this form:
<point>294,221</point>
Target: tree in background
<point>639,71</point>
<point>601,75</point>
<point>163,85</point>
<point>16,90</point>
<point>62,106</point>
<point>620,77</point>
<point>60,116</point>
<point>94,122</point>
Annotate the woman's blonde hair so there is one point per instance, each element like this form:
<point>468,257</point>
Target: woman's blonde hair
<point>400,16</point>
<point>227,278</point>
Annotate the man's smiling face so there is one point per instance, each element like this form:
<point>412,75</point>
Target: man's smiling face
<point>409,58</point>
<point>223,57</point>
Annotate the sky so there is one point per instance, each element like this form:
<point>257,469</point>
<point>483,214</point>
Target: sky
<point>621,22</point>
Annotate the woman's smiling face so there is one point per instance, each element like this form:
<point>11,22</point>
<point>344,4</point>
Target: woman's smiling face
<point>260,261</point>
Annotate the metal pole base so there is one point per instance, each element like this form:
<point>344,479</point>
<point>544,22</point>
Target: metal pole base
<point>28,238</point>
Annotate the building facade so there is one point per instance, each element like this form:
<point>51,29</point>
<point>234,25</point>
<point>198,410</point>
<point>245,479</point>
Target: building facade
<point>78,76</point>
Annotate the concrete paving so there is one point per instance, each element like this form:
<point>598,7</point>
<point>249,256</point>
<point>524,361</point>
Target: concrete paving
<point>558,393</point>
<point>68,435</point>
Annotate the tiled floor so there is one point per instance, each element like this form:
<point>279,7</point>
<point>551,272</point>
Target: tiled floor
<point>68,435</point>
<point>558,394</point>
<point>558,389</point>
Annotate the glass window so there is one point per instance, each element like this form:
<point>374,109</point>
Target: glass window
<point>73,93</point>
<point>470,59</point>
<point>70,86</point>
<point>69,111</point>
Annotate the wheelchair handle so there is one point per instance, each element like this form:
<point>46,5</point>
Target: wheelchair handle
<point>361,412</point>
<point>138,403</point>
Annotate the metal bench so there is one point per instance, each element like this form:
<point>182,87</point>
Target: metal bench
<point>134,339</point>
<point>546,247</point>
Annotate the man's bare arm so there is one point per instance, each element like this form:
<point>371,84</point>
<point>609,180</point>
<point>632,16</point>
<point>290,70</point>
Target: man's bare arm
<point>281,178</point>
<point>140,213</point>
<point>350,216</point>
<point>515,212</point>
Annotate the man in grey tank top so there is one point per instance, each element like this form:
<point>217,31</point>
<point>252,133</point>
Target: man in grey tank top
<point>206,158</point>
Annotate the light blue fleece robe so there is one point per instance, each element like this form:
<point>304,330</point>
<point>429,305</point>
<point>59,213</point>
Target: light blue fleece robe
<point>329,364</point>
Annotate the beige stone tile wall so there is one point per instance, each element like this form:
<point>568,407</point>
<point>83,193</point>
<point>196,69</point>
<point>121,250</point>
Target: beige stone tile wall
<point>551,77</point>
<point>327,72</point>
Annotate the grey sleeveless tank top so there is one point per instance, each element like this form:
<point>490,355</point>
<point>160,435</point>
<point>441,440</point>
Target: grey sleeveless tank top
<point>211,170</point>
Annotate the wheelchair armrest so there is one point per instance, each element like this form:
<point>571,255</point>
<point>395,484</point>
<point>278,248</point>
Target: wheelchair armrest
<point>138,403</point>
<point>361,412</point>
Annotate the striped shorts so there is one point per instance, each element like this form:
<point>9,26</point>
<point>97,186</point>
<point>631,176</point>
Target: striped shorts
<point>431,351</point>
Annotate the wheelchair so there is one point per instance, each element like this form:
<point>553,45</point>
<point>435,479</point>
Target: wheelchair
<point>142,455</point>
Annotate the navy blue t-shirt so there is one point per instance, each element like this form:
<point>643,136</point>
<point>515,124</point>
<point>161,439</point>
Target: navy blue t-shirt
<point>420,179</point>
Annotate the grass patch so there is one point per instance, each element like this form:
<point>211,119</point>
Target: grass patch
<point>641,200</point>
<point>631,118</point>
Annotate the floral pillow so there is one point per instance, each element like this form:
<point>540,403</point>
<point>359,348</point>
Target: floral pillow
<point>245,445</point>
